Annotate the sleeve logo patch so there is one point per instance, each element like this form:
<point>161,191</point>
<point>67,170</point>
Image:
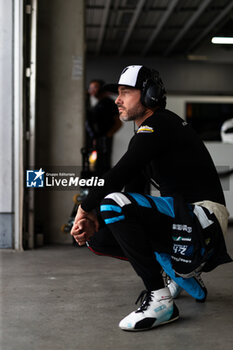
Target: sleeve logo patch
<point>145,129</point>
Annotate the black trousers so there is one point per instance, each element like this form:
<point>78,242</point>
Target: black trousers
<point>134,232</point>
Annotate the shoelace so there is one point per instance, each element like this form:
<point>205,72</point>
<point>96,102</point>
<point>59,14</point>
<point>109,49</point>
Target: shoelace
<point>145,298</point>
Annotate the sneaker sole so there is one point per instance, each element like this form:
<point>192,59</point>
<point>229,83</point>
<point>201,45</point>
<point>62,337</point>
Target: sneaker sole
<point>148,329</point>
<point>161,324</point>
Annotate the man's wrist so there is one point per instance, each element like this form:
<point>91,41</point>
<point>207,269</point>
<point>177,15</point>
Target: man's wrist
<point>81,209</point>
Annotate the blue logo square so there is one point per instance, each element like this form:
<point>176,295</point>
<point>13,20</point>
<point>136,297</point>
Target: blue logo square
<point>35,178</point>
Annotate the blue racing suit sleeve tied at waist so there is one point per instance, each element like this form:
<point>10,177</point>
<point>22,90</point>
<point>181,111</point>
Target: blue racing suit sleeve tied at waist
<point>197,240</point>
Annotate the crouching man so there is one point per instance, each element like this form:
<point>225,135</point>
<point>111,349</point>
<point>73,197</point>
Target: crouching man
<point>133,225</point>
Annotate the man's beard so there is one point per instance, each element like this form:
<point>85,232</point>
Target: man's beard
<point>133,113</point>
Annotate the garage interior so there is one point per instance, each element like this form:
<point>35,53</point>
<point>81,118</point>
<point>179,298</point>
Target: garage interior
<point>55,295</point>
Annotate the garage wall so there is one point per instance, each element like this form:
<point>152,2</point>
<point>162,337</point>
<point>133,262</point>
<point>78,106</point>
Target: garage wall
<point>60,106</point>
<point>6,123</point>
<point>179,76</point>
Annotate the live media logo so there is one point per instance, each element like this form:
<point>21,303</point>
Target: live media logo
<point>59,180</point>
<point>35,178</point>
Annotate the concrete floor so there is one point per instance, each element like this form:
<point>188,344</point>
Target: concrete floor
<point>68,298</point>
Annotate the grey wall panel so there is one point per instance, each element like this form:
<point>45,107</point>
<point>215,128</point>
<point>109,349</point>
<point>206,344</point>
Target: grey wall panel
<point>179,76</point>
<point>60,105</point>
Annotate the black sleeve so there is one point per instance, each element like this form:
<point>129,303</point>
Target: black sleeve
<point>143,148</point>
<point>139,184</point>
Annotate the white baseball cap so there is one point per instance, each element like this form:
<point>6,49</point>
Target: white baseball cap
<point>134,76</point>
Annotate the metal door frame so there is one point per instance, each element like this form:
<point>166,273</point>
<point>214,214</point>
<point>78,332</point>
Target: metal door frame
<point>24,70</point>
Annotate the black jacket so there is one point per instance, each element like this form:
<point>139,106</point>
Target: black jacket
<point>177,158</point>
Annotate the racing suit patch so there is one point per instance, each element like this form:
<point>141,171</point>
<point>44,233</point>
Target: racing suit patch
<point>145,129</point>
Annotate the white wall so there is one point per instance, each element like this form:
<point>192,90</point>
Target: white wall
<point>6,95</point>
<point>6,123</point>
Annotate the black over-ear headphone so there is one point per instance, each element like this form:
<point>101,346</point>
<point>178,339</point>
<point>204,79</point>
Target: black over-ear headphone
<point>153,90</point>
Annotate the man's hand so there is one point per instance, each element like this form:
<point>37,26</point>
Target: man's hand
<point>83,230</point>
<point>82,214</point>
<point>85,225</point>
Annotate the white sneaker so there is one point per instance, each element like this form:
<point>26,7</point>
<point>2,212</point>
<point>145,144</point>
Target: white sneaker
<point>157,308</point>
<point>174,288</point>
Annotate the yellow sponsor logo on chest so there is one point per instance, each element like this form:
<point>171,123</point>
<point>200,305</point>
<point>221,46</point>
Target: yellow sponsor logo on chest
<point>145,129</point>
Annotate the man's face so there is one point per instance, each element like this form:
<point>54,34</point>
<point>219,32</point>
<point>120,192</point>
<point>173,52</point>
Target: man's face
<point>129,104</point>
<point>94,88</point>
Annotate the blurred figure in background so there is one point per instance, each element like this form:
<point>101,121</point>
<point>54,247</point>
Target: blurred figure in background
<point>102,121</point>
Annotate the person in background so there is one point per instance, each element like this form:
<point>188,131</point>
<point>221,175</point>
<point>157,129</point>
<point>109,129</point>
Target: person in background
<point>102,123</point>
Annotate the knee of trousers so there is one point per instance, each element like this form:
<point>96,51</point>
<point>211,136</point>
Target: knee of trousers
<point>111,207</point>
